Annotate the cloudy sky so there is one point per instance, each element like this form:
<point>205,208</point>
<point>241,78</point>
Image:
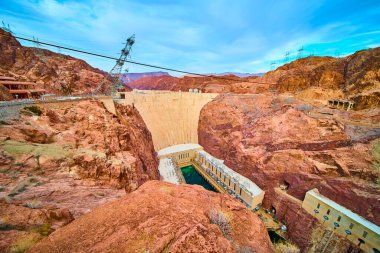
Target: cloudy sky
<point>205,36</point>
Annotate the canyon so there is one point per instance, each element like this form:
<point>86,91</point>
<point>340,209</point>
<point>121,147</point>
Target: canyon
<point>80,177</point>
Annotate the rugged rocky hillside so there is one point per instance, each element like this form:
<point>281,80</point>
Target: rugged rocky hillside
<point>129,77</point>
<point>277,140</point>
<point>65,161</point>
<point>162,217</point>
<point>355,77</point>
<point>206,84</point>
<point>57,73</point>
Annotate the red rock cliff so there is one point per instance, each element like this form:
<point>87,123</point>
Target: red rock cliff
<point>59,161</point>
<point>162,217</point>
<point>280,141</point>
<point>57,73</point>
<point>231,83</point>
<point>357,76</point>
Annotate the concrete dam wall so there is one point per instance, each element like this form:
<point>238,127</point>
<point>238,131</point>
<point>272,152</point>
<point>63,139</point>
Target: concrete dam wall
<point>171,117</point>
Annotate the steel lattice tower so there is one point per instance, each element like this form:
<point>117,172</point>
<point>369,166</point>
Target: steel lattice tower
<point>115,72</point>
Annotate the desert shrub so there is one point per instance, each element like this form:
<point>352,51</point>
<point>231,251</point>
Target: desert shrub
<point>8,199</point>
<point>18,189</point>
<point>244,249</point>
<point>45,229</point>
<point>34,204</point>
<point>222,221</point>
<point>376,154</point>
<point>304,107</point>
<point>33,109</point>
<point>3,122</point>
<point>288,100</point>
<point>286,247</point>
<point>4,225</point>
<point>24,243</point>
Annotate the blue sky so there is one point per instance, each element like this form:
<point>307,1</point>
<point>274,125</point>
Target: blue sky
<point>205,36</point>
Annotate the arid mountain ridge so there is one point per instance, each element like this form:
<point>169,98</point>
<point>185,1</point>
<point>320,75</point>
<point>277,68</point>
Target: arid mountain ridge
<point>355,77</point>
<point>57,73</point>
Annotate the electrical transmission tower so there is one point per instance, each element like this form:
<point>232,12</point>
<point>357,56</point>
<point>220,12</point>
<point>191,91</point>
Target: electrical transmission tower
<point>286,57</point>
<point>300,52</point>
<point>115,72</point>
<point>6,27</point>
<point>273,65</point>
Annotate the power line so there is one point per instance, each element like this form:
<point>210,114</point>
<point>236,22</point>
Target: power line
<point>133,62</point>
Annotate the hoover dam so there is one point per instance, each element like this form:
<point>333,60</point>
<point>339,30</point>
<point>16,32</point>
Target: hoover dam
<point>171,117</point>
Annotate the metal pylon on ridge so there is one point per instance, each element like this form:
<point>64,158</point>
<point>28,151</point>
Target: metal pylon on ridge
<point>115,72</point>
<point>6,27</point>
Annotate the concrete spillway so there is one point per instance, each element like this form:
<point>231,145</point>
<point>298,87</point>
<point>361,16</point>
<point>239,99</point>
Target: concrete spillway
<point>171,117</point>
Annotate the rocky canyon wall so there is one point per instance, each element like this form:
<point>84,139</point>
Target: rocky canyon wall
<point>355,77</point>
<point>58,163</point>
<point>280,141</point>
<point>57,73</point>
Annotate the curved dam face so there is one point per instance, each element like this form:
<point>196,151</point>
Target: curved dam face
<point>171,117</point>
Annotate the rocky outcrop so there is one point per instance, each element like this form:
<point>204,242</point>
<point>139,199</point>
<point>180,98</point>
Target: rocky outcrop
<point>92,142</point>
<point>57,73</point>
<point>18,221</point>
<point>213,84</point>
<point>73,157</point>
<point>129,77</point>
<point>275,140</point>
<point>355,77</point>
<point>162,217</point>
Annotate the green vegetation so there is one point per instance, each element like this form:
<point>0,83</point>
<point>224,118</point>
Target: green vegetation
<point>45,229</point>
<point>4,224</point>
<point>55,151</point>
<point>52,150</point>
<point>376,154</point>
<point>33,109</point>
<point>24,243</point>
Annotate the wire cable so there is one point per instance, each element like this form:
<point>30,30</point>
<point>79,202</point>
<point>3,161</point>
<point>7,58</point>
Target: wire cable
<point>135,62</point>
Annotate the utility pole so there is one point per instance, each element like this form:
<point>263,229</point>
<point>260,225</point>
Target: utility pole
<point>115,72</point>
